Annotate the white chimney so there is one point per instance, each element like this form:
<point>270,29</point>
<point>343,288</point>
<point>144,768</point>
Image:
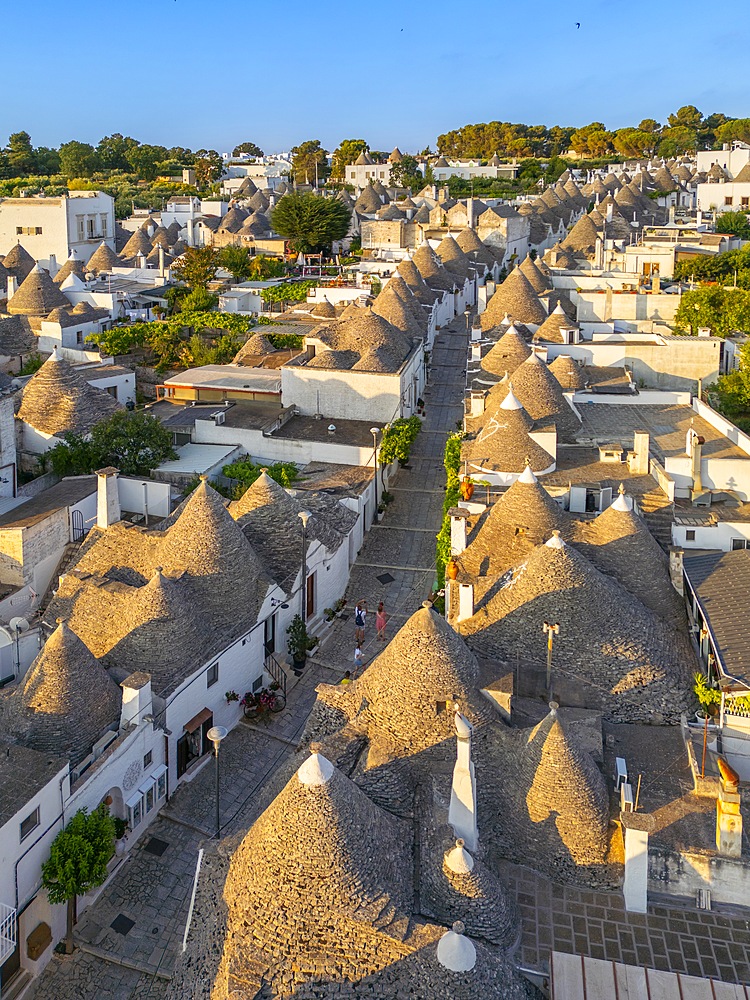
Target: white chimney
<point>136,699</point>
<point>161,260</point>
<point>462,812</point>
<point>53,268</point>
<point>107,498</point>
<point>476,403</point>
<point>465,601</point>
<point>190,233</point>
<point>11,286</point>
<point>458,518</point>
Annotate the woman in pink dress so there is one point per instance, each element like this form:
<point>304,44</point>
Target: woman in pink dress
<point>380,623</point>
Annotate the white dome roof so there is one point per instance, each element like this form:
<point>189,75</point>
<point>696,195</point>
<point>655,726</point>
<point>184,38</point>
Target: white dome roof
<point>455,951</point>
<point>316,770</point>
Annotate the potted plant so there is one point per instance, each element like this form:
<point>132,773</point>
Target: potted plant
<point>231,696</point>
<point>298,643</point>
<point>708,697</point>
<point>120,830</point>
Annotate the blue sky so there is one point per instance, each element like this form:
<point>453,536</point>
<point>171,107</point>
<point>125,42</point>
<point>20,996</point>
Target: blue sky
<point>392,73</point>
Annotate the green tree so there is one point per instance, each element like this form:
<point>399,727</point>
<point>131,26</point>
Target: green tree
<point>592,140</point>
<point>47,160</point>
<point>20,154</point>
<point>245,471</point>
<point>78,159</point>
<point>197,266</point>
<point>735,223</point>
<point>78,860</point>
<point>649,125</point>
<point>73,456</point>
<point>236,260</point>
<point>345,153</point>
<point>723,310</point>
<point>198,300</point>
<point>305,157</point>
<point>407,174</point>
<point>311,223</point>
<point>247,147</point>
<point>113,151</point>
<point>398,438</point>
<point>135,443</point>
<point>634,142</point>
<point>688,116</point>
<point>143,160</point>
<point>737,129</point>
<point>677,140</point>
<point>208,167</point>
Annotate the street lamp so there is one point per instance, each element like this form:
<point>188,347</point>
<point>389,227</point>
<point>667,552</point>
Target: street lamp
<point>216,734</point>
<point>550,630</point>
<point>304,516</point>
<point>375,431</point>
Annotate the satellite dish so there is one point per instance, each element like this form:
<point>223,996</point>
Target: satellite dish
<point>19,625</point>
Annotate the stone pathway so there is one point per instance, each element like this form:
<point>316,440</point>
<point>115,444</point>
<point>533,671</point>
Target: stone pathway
<point>671,938</point>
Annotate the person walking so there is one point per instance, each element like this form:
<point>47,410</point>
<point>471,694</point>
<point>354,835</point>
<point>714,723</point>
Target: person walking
<point>360,619</point>
<point>380,623</point>
<point>358,658</point>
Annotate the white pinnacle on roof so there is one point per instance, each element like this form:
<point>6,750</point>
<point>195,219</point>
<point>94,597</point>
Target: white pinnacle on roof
<point>555,542</point>
<point>511,401</point>
<point>623,503</point>
<point>317,770</point>
<point>455,951</point>
<point>459,860</point>
<point>528,477</point>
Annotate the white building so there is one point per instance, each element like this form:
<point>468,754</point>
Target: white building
<point>49,228</point>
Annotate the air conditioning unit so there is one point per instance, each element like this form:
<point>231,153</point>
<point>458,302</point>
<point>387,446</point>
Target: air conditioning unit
<point>703,899</point>
<point>220,417</point>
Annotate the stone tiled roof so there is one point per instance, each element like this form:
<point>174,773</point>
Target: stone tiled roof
<point>618,542</point>
<point>18,262</point>
<point>631,661</point>
<point>516,298</point>
<point>71,266</point>
<point>103,259</point>
<point>453,257</point>
<point>197,584</point>
<point>538,281</point>
<point>138,243</point>
<point>549,331</point>
<point>324,310</point>
<point>553,802</point>
<point>542,397</point>
<point>368,202</point>
<point>396,304</point>
<point>57,398</point>
<point>568,373</point>
<point>582,237</point>
<point>506,354</point>
<point>380,346</point>
<point>16,337</point>
<point>37,295</point>
<point>65,701</point>
<point>432,270</point>
<point>498,440</point>
<point>160,237</point>
<point>523,517</point>
<point>416,283</point>
<point>474,248</point>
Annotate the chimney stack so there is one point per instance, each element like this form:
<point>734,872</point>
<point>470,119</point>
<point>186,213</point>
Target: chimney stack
<point>107,498</point>
<point>11,286</point>
<point>136,699</point>
<point>462,812</point>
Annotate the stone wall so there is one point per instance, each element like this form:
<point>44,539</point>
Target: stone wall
<point>682,874</point>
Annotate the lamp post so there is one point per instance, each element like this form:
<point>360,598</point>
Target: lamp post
<point>216,734</point>
<point>304,516</point>
<point>375,431</point>
<point>550,630</point>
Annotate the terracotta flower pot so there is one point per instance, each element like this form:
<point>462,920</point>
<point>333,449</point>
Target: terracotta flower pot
<point>451,569</point>
<point>467,489</point>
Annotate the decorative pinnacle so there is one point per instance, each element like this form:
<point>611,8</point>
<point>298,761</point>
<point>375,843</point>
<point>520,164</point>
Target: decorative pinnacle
<point>458,927</point>
<point>316,747</point>
<point>553,707</point>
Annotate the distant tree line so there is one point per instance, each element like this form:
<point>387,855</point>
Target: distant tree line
<point>685,131</point>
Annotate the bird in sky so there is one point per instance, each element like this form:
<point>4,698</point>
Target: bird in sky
<point>578,24</point>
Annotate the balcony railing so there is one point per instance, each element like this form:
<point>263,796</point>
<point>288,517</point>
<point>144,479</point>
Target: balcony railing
<point>7,931</point>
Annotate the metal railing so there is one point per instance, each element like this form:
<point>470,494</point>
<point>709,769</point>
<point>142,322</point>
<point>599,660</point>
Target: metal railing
<point>8,931</point>
<point>276,671</point>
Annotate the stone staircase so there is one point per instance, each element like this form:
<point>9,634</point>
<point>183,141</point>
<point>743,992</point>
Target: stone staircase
<point>658,510</point>
<point>69,556</point>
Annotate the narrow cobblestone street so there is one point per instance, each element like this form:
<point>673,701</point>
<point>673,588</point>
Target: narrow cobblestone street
<point>395,565</point>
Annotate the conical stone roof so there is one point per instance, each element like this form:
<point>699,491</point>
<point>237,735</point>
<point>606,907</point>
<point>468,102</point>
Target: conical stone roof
<point>425,663</point>
<point>564,786</point>
<point>37,295</point>
<point>619,543</point>
<point>542,397</point>
<point>368,202</point>
<point>516,298</point>
<point>539,282</point>
<point>324,310</point>
<point>631,663</point>
<point>18,262</point>
<point>582,237</point>
<point>71,266</point>
<point>393,307</point>
<point>138,243</point>
<point>474,248</point>
<point>102,259</point>
<point>65,701</point>
<point>506,354</point>
<point>57,398</point>
<point>523,517</point>
<point>499,441</point>
<point>569,374</point>
<point>453,257</point>
<point>416,283</point>
<point>431,268</point>
<point>160,237</point>
<point>549,331</point>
